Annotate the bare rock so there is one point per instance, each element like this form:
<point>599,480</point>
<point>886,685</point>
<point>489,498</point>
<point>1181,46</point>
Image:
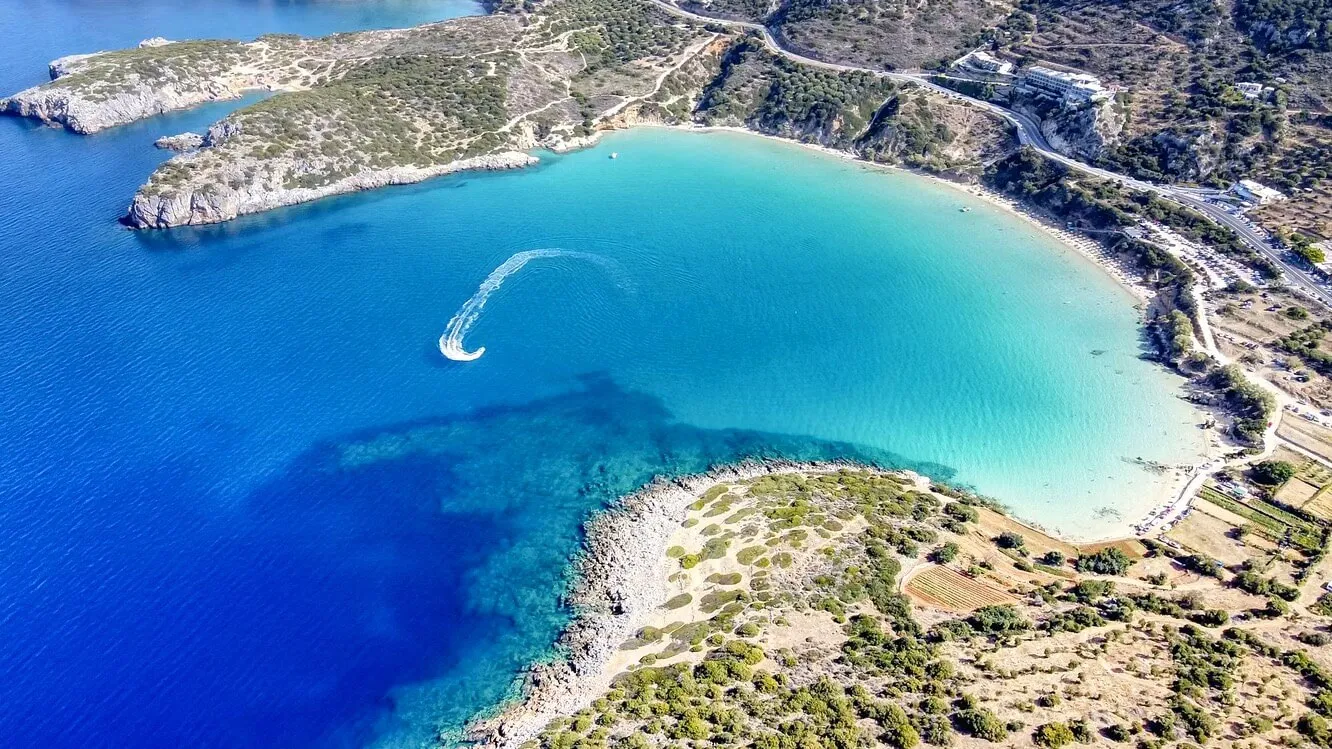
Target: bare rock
<point>235,196</point>
<point>181,142</point>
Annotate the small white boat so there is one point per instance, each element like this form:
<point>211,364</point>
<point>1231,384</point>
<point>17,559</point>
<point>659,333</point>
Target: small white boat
<point>615,155</point>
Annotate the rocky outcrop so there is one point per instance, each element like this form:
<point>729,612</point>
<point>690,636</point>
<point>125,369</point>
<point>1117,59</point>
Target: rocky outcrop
<point>1191,155</point>
<point>93,92</point>
<point>182,142</point>
<point>1084,131</point>
<point>620,577</point>
<point>224,202</point>
<point>66,65</point>
<point>66,107</point>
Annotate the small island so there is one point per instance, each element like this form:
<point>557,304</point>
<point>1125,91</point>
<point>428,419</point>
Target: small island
<point>815,605</point>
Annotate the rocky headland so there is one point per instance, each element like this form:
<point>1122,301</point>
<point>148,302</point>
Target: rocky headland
<point>619,579</point>
<point>785,605</point>
<point>362,110</point>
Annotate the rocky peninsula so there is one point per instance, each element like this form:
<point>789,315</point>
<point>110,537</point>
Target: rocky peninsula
<point>357,111</point>
<point>781,604</point>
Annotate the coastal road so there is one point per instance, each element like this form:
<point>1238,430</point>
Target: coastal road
<point>1299,276</point>
<point>1029,134</point>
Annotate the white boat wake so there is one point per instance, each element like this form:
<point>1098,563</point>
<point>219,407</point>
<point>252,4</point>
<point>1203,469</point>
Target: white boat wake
<point>451,343</point>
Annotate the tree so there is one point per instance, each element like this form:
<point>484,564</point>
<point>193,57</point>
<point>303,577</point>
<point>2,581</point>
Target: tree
<point>981,723</point>
<point>1107,561</point>
<point>997,620</point>
<point>1272,472</point>
<point>944,554</point>
<point>1053,735</point>
<point>1010,540</point>
<point>1053,558</point>
<point>1307,251</point>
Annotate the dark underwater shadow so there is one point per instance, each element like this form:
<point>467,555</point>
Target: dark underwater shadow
<point>493,502</point>
<point>389,581</point>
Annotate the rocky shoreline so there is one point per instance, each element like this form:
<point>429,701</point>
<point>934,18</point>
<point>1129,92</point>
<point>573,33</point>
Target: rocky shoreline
<point>86,113</point>
<point>161,211</point>
<point>619,579</point>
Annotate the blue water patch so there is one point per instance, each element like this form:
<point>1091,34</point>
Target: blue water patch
<point>41,32</point>
<point>248,503</point>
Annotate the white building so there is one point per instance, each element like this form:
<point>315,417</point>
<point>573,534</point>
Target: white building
<point>984,62</point>
<point>1252,90</point>
<point>1071,88</point>
<point>1255,192</point>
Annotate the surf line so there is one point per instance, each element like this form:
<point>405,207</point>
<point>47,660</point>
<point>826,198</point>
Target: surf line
<point>451,343</point>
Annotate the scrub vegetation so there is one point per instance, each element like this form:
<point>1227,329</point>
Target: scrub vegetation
<point>868,634</point>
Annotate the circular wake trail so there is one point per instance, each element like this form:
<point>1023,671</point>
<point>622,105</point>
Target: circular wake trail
<point>451,343</point>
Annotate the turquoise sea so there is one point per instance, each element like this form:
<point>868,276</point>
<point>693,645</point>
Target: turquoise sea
<point>248,503</point>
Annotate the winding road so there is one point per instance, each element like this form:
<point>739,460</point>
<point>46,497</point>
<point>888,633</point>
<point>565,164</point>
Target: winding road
<point>1029,134</point>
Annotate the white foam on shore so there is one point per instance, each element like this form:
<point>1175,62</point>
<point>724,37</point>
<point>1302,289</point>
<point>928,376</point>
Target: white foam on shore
<point>451,343</point>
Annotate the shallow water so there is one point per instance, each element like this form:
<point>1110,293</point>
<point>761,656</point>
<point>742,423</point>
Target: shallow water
<point>248,503</point>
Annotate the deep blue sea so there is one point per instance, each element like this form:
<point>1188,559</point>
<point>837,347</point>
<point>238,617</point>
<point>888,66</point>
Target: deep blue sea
<point>247,503</point>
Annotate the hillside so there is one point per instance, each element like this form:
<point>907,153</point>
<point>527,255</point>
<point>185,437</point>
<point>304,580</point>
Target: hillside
<point>823,606</point>
<point>1176,65</point>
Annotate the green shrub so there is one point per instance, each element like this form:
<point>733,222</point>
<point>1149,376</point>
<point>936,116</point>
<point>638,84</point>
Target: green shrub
<point>980,723</point>
<point>962,512</point>
<point>1082,730</point>
<point>730,578</point>
<point>944,554</point>
<point>679,601</point>
<point>749,554</point>
<point>1053,735</point>
<point>997,620</point>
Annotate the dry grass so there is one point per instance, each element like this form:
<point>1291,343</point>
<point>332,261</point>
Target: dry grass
<point>1307,435</point>
<point>1320,505</point>
<point>1205,532</point>
<point>1296,493</point>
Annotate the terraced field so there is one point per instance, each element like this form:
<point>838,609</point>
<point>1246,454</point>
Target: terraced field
<point>946,588</point>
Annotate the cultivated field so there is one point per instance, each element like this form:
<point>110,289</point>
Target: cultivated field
<point>946,588</point>
<point>1310,436</point>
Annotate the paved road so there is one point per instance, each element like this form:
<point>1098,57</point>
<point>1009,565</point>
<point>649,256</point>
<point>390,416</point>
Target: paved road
<point>1029,133</point>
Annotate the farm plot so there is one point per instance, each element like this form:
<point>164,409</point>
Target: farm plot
<point>1321,505</point>
<point>1267,519</point>
<point>1296,492</point>
<point>946,588</point>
